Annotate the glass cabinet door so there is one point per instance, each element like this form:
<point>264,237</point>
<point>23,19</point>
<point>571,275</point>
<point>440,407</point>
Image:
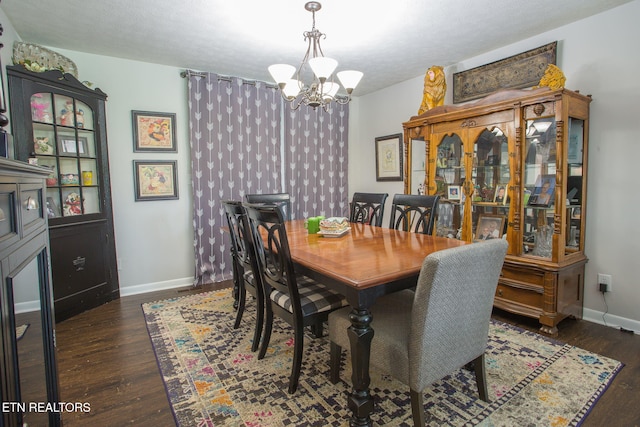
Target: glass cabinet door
<point>418,172</point>
<point>539,184</point>
<point>472,177</point>
<point>490,178</point>
<point>449,177</point>
<point>575,186</point>
<point>65,142</point>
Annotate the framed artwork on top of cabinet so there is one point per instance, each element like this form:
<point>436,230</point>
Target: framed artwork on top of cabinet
<point>154,131</point>
<point>389,158</point>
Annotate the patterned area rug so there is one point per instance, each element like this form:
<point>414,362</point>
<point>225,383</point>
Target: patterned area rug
<point>20,331</point>
<point>213,379</point>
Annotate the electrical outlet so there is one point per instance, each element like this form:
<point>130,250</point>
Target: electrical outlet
<point>606,280</point>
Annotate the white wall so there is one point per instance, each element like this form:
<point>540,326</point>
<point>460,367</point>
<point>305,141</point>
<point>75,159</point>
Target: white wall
<point>599,56</point>
<point>154,239</point>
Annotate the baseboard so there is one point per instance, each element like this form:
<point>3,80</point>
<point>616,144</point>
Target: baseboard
<point>611,320</point>
<point>157,286</point>
<point>26,307</point>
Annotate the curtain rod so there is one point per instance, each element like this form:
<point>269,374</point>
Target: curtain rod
<point>189,73</point>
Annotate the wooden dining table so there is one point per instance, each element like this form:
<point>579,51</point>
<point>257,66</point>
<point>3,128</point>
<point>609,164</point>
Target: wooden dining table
<point>364,264</point>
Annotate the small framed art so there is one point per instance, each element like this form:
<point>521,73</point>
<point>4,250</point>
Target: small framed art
<point>500,196</point>
<point>453,192</point>
<point>490,227</point>
<point>154,131</point>
<point>155,180</point>
<point>389,158</point>
<point>544,191</point>
<point>70,146</point>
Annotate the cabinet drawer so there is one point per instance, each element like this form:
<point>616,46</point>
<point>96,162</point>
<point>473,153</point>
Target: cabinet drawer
<point>522,287</point>
<point>522,276</point>
<point>31,208</point>
<point>530,296</point>
<point>78,259</point>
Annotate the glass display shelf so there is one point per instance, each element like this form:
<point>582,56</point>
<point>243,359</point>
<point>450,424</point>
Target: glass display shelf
<point>64,141</point>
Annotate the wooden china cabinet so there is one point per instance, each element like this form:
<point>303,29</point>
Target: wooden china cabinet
<point>512,165</point>
<point>60,124</point>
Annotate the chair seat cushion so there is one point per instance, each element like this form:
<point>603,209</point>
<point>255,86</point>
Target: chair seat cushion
<point>314,297</point>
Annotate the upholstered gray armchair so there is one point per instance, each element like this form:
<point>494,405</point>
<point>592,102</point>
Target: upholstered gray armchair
<point>422,336</point>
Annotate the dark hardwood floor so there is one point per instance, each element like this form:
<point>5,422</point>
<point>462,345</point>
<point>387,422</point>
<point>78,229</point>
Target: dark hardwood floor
<point>105,358</point>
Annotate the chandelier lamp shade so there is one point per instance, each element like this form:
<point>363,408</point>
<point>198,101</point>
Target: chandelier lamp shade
<point>313,84</point>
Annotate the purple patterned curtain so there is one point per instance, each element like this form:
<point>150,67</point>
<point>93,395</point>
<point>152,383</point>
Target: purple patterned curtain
<point>316,159</point>
<point>237,130</point>
<point>235,144</point>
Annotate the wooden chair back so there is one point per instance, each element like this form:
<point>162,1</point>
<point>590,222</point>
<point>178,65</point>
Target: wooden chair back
<point>282,200</point>
<point>413,212</point>
<point>368,208</point>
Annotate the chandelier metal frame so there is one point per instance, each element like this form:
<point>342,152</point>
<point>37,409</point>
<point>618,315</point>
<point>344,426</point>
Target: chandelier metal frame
<point>323,89</point>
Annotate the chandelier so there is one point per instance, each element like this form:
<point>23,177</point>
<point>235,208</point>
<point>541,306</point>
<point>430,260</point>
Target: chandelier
<point>320,89</point>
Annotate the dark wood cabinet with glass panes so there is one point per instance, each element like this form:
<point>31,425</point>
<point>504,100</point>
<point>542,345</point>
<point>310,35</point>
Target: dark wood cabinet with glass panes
<point>513,165</point>
<point>59,123</point>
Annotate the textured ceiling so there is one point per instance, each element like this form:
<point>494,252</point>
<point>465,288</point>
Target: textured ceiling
<point>390,41</point>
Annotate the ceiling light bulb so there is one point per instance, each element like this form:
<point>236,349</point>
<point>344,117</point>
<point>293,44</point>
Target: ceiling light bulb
<point>291,88</point>
<point>349,79</point>
<point>329,90</point>
<point>282,72</point>
<point>323,67</point>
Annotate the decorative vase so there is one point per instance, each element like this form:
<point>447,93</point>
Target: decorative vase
<point>543,241</point>
<point>573,232</point>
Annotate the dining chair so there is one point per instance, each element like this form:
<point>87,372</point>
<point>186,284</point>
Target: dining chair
<point>413,212</point>
<point>422,336</point>
<point>298,300</point>
<point>368,208</point>
<point>280,199</point>
<point>244,269</point>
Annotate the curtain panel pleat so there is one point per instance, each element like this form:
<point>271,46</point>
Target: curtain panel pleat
<point>244,140</point>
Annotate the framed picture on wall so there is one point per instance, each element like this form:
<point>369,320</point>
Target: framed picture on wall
<point>154,131</point>
<point>155,180</point>
<point>389,158</point>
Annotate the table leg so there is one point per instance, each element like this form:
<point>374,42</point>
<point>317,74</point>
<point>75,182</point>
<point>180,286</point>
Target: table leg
<point>360,335</point>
